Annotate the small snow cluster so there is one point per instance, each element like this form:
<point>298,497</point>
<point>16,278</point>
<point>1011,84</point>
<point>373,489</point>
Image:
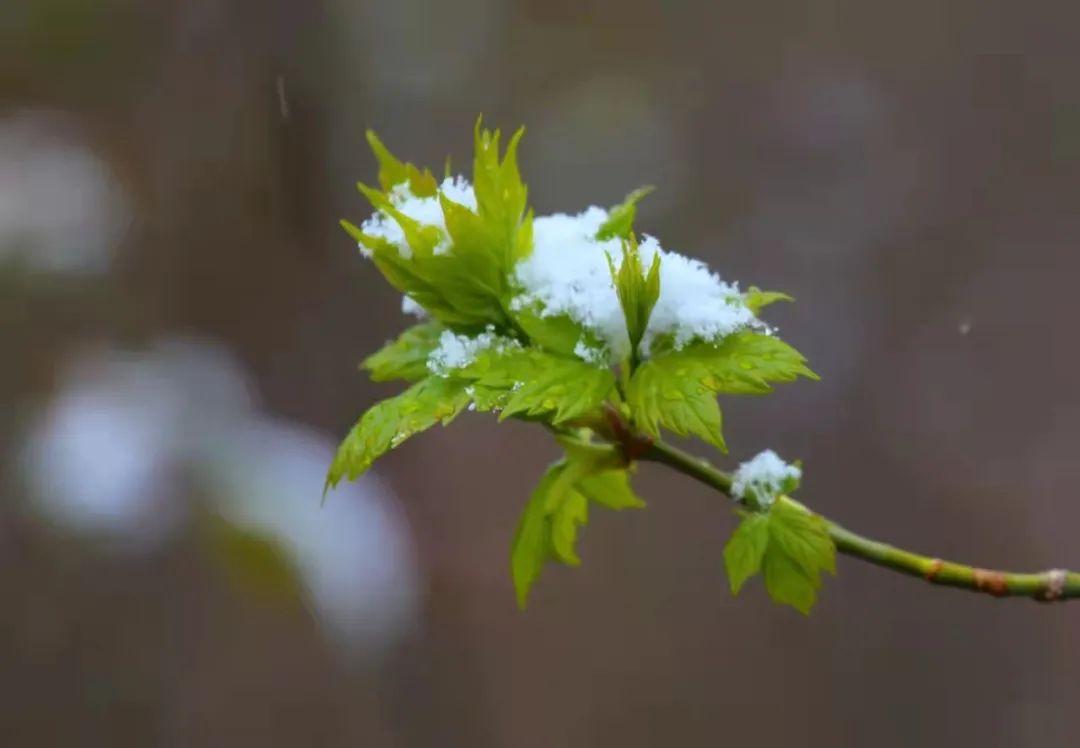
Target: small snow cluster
<point>592,355</point>
<point>424,210</point>
<point>410,306</point>
<point>763,478</point>
<point>568,273</point>
<point>457,351</point>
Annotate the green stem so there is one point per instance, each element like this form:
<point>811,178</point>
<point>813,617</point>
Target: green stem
<point>1044,586</point>
<point>512,323</point>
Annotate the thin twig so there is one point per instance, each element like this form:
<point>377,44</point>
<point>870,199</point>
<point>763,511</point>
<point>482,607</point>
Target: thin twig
<point>1045,586</point>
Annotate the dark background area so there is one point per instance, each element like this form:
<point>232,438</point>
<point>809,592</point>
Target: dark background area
<point>181,319</point>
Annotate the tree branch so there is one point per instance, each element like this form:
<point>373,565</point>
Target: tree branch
<point>1046,586</point>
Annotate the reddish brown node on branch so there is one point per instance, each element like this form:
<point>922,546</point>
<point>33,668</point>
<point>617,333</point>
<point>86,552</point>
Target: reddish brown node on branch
<point>636,447</point>
<point>933,569</point>
<point>633,445</point>
<point>991,582</point>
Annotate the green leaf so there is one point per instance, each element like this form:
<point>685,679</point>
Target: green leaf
<point>558,507</point>
<point>756,299</point>
<point>788,584</point>
<point>670,392</point>
<point>559,387</point>
<point>467,286</point>
<point>463,291</point>
<point>405,358</point>
<point>790,545</point>
<point>804,536</point>
<point>611,488</point>
<point>588,457</point>
<point>741,364</point>
<point>421,238</point>
<point>503,364</point>
<point>478,244</point>
<point>556,333</point>
<point>620,222</point>
<point>523,238</point>
<point>501,196</point>
<point>745,550</point>
<point>532,541</point>
<point>393,172</point>
<point>486,398</point>
<point>747,362</point>
<point>532,383</point>
<point>637,291</point>
<point>572,511</point>
<point>390,422</point>
<point>354,231</point>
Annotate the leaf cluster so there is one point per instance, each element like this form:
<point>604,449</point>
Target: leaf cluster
<point>462,274</point>
<point>789,545</point>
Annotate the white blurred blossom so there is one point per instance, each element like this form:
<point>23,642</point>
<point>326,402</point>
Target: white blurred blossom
<point>101,455</point>
<point>112,458</point>
<point>61,207</point>
<point>353,553</point>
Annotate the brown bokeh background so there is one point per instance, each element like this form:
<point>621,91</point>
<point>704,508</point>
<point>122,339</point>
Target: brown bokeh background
<point>909,171</point>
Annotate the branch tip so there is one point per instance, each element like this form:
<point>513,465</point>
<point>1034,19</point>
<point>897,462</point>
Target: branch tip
<point>1045,586</point>
<point>1054,588</point>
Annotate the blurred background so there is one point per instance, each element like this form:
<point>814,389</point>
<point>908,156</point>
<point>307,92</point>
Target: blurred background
<point>181,319</point>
